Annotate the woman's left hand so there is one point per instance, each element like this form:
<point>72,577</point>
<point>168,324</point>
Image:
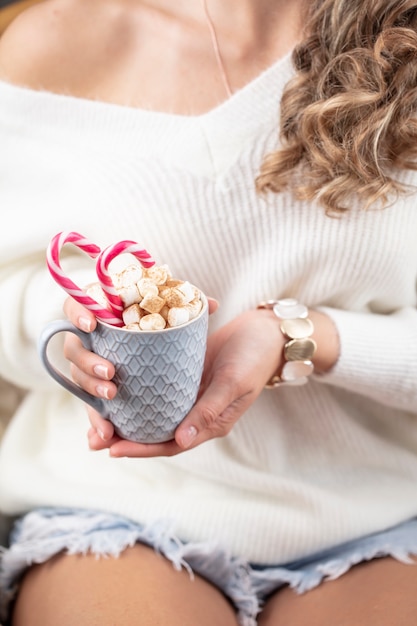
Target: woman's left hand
<point>240,358</point>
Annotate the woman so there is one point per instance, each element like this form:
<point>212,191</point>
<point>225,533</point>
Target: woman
<point>265,151</point>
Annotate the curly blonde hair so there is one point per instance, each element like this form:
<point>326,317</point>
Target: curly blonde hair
<point>348,117</point>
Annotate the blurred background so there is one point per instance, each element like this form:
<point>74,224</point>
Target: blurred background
<point>10,397</point>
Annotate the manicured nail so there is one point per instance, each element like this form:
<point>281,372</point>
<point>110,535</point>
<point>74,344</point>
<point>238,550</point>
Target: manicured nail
<point>187,436</point>
<point>101,371</point>
<point>85,324</point>
<point>102,391</point>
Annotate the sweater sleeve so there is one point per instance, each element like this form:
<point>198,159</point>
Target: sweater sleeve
<point>378,356</point>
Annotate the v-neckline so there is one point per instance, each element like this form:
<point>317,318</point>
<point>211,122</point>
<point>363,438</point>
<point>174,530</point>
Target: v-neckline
<point>260,85</point>
<point>207,144</point>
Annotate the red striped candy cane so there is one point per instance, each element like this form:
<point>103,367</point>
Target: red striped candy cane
<point>53,261</point>
<point>103,274</point>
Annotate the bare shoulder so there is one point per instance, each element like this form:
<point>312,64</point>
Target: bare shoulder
<point>47,45</point>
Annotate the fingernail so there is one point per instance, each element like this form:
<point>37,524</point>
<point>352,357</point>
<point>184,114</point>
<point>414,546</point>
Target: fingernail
<point>85,324</point>
<point>101,434</point>
<point>187,436</point>
<point>101,371</point>
<point>102,391</point>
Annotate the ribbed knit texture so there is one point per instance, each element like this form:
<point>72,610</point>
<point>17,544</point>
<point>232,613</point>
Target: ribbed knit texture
<point>305,467</point>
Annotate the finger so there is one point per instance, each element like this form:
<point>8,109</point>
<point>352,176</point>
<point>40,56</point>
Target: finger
<point>95,442</point>
<point>94,386</point>
<point>213,415</point>
<point>213,305</point>
<point>103,427</point>
<point>88,362</point>
<point>124,448</point>
<point>79,315</point>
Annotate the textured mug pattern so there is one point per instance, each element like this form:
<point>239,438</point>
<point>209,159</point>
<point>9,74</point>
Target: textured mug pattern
<point>157,377</point>
<point>158,374</point>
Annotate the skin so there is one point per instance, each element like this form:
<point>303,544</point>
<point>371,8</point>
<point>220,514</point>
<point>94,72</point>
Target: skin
<point>106,55</point>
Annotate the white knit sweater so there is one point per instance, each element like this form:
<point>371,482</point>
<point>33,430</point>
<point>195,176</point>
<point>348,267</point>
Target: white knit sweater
<point>306,467</point>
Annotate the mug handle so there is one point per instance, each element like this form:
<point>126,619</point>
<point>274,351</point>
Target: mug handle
<point>60,326</point>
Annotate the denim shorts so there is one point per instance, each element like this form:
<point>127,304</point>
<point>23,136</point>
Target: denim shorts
<point>45,532</point>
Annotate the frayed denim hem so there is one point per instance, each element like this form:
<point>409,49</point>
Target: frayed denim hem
<point>43,533</point>
<point>398,542</point>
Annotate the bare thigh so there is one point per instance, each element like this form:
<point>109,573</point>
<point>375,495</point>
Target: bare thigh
<point>139,588</point>
<point>382,592</point>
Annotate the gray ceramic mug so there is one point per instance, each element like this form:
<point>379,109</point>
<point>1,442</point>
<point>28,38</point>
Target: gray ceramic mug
<point>158,374</point>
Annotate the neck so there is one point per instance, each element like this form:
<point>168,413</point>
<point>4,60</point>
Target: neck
<point>244,23</point>
<point>255,33</point>
<point>254,16</point>
<point>231,41</point>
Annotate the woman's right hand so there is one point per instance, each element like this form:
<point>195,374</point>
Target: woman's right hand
<point>88,370</point>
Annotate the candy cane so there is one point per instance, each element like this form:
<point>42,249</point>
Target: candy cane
<point>103,274</point>
<point>52,258</point>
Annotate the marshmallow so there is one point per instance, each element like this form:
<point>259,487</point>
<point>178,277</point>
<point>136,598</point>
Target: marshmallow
<point>178,316</point>
<point>96,292</point>
<point>129,295</point>
<point>152,304</point>
<point>175,297</point>
<point>158,274</point>
<point>132,314</point>
<point>188,290</point>
<point>164,312</point>
<point>194,307</point>
<point>116,280</point>
<point>147,287</point>
<point>130,275</point>
<point>152,299</point>
<point>132,327</point>
<point>154,321</point>
<point>173,282</point>
<point>126,277</point>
